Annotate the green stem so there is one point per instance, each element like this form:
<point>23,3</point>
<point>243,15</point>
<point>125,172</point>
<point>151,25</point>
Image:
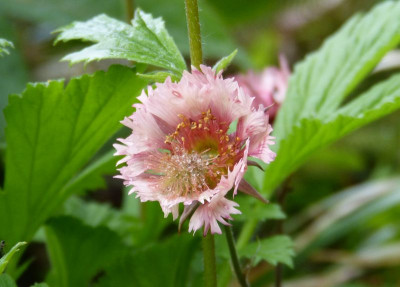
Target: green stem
<point>234,257</point>
<point>193,24</point>
<point>244,238</point>
<point>210,274</point>
<point>129,10</point>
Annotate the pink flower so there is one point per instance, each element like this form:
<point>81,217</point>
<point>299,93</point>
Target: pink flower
<point>268,87</point>
<point>181,149</point>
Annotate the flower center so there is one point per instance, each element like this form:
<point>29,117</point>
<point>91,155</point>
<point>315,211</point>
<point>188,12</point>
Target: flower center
<point>187,174</point>
<point>199,153</point>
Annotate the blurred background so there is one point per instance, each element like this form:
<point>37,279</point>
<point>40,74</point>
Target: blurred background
<point>342,206</point>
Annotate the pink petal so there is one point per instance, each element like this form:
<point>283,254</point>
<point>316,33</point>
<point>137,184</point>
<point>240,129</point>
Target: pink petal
<point>211,213</point>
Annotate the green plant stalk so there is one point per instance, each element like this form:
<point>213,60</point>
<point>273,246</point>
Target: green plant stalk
<point>129,10</point>
<point>193,24</point>
<point>196,58</point>
<point>210,274</point>
<point>244,238</point>
<point>234,257</point>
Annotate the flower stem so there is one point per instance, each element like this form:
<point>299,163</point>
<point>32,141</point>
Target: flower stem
<point>244,238</point>
<point>193,24</point>
<point>210,274</point>
<point>234,256</point>
<point>129,10</point>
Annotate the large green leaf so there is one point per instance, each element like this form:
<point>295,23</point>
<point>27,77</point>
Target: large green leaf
<point>311,116</point>
<point>78,252</point>
<point>4,45</point>
<point>145,41</point>
<point>161,264</point>
<point>52,133</point>
<point>312,133</point>
<point>276,249</point>
<point>325,78</point>
<point>6,258</point>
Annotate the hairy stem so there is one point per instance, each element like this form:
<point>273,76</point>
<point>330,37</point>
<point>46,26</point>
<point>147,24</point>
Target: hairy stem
<point>193,24</point>
<point>234,257</point>
<point>210,274</point>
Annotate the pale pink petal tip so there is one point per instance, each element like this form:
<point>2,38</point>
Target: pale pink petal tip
<point>209,214</point>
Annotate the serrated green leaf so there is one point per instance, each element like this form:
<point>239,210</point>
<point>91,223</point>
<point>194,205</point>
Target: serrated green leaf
<point>7,281</point>
<point>250,209</point>
<point>78,252</point>
<point>224,62</point>
<point>145,41</point>
<point>170,260</point>
<point>312,134</point>
<point>218,37</point>
<point>311,116</point>
<point>7,257</point>
<point>4,44</point>
<point>274,250</point>
<point>52,133</point>
<point>321,82</point>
